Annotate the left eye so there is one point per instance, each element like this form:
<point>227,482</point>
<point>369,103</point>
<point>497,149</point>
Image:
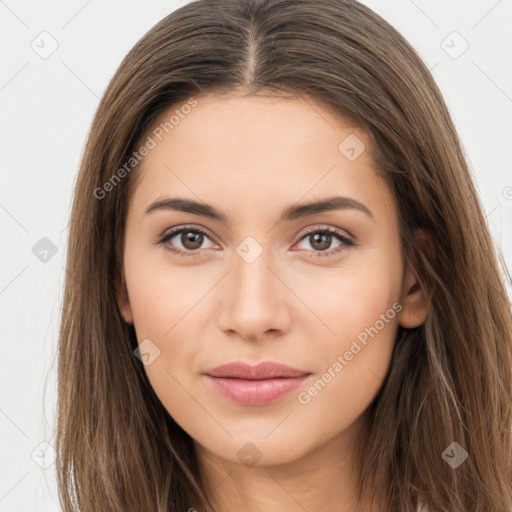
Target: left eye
<point>321,241</point>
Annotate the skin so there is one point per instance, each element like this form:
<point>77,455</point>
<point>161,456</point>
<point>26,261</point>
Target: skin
<point>251,158</point>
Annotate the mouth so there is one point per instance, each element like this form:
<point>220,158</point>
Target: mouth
<point>255,385</point>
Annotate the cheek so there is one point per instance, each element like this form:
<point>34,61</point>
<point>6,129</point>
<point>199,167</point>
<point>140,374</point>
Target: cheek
<point>165,310</point>
<point>352,298</point>
<point>350,366</point>
<point>360,307</point>
<point>169,307</point>
<point>160,296</point>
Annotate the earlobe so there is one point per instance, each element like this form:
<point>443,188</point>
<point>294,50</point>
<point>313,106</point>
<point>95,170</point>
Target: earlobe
<point>414,301</point>
<point>122,299</point>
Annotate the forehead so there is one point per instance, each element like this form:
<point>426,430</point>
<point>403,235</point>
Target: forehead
<point>246,151</point>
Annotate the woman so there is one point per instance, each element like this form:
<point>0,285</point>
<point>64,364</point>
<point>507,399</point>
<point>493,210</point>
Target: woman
<point>281,291</point>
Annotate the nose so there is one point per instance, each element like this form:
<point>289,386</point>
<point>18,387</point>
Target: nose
<point>255,299</point>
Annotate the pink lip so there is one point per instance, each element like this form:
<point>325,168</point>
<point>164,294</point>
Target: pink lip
<point>255,385</point>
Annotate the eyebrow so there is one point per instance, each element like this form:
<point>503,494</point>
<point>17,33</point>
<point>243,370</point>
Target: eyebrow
<point>291,213</point>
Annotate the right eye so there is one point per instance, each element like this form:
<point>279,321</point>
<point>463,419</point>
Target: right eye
<point>190,238</point>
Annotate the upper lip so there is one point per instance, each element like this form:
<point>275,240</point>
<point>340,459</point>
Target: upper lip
<point>265,370</point>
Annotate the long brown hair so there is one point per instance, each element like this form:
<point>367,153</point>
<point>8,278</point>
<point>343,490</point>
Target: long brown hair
<point>450,380</point>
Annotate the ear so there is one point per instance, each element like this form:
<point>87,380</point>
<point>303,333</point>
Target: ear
<point>122,298</point>
<point>414,302</point>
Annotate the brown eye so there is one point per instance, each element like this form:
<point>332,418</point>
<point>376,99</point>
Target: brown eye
<point>191,240</point>
<point>185,241</point>
<point>320,241</point>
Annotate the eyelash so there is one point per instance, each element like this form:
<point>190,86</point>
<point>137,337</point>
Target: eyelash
<point>198,252</point>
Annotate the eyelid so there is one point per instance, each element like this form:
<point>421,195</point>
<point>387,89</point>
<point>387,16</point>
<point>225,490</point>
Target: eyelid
<point>332,229</point>
<point>191,227</point>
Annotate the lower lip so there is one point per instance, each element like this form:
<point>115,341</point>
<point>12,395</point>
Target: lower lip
<point>255,392</point>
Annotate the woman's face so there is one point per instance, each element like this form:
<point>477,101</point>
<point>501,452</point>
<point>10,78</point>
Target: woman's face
<point>264,282</point>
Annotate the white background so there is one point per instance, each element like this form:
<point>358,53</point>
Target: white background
<point>47,106</point>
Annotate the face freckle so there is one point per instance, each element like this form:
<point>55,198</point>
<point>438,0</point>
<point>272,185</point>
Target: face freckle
<point>259,288</point>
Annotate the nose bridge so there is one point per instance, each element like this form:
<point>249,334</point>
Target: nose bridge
<point>253,281</point>
<point>253,302</point>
